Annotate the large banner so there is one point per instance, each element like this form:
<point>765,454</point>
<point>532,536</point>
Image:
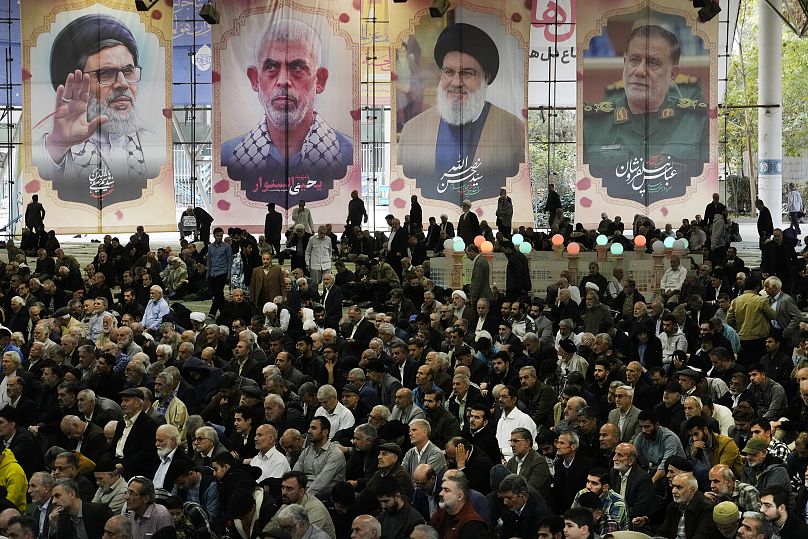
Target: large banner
<point>286,106</point>
<point>647,128</point>
<point>461,107</point>
<point>97,128</point>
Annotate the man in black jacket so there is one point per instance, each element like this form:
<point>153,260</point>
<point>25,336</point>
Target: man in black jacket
<point>571,469</point>
<point>273,226</point>
<point>133,444</point>
<point>472,461</point>
<point>70,513</point>
<point>524,507</point>
<point>765,226</point>
<point>517,273</point>
<point>20,441</point>
<point>688,501</point>
<point>356,210</point>
<point>775,504</point>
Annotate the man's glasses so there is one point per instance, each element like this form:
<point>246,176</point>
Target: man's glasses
<point>109,75</point>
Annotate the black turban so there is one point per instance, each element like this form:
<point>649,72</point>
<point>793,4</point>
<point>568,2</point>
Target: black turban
<point>82,37</point>
<point>466,38</point>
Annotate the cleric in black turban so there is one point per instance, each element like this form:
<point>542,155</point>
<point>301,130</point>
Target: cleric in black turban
<point>465,147</point>
<point>84,37</point>
<point>94,150</point>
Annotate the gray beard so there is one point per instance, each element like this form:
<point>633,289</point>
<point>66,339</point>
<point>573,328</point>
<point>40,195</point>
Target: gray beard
<point>292,116</point>
<point>461,113</point>
<point>117,123</point>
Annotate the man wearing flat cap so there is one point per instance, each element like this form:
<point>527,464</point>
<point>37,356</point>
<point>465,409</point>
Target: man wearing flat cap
<point>133,444</point>
<point>464,147</point>
<point>292,140</point>
<point>96,148</point>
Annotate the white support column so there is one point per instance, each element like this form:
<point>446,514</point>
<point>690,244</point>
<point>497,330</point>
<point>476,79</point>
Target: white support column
<point>770,117</point>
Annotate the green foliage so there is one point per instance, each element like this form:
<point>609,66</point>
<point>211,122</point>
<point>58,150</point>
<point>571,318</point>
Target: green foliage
<point>551,149</point>
<point>795,112</point>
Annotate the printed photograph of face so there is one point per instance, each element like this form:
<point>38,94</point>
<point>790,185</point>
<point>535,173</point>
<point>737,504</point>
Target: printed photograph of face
<point>646,106</point>
<point>458,94</point>
<point>291,144</point>
<point>98,92</point>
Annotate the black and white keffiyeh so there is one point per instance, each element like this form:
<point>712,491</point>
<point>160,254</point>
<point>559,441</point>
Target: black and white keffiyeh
<point>320,147</point>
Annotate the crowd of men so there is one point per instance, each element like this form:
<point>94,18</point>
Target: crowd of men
<point>319,402</point>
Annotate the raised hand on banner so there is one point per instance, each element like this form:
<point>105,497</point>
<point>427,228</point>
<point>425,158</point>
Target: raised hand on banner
<point>70,125</point>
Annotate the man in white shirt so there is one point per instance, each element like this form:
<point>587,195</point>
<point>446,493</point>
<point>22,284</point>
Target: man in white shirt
<point>337,414</point>
<point>318,255</point>
<point>271,462</point>
<point>167,440</point>
<point>512,418</point>
<point>672,280</point>
<point>672,338</point>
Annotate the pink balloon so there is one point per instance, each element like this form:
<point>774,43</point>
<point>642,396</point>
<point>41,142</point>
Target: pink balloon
<point>558,239</point>
<point>479,240</point>
<point>486,247</point>
<point>573,248</point>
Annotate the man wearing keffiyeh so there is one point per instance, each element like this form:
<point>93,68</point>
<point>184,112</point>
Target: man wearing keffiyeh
<point>293,152</point>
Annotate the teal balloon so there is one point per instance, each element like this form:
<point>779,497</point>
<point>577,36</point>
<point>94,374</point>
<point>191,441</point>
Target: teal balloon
<point>601,240</point>
<point>517,239</point>
<point>617,249</point>
<point>669,242</point>
<point>459,245</point>
<point>525,248</point>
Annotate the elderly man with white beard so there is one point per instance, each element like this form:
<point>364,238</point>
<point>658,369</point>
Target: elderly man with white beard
<point>95,148</point>
<point>464,144</point>
<point>292,139</point>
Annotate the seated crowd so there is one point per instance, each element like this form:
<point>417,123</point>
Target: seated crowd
<point>418,411</point>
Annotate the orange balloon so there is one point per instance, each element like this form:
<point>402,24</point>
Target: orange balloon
<point>574,248</point>
<point>640,241</point>
<point>479,240</point>
<point>486,247</point>
<point>557,239</point>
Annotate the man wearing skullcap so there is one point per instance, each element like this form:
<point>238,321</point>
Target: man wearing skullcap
<point>292,139</point>
<point>96,148</point>
<point>464,146</point>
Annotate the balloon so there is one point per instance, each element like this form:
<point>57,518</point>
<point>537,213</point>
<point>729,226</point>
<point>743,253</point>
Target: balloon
<point>686,243</point>
<point>449,243</point>
<point>640,241</point>
<point>458,245</point>
<point>658,247</point>
<point>574,248</point>
<point>601,240</point>
<point>479,240</point>
<point>517,239</point>
<point>558,239</point>
<point>525,248</point>
<point>486,247</point>
<point>669,242</point>
<point>617,249</point>
<point>679,245</point>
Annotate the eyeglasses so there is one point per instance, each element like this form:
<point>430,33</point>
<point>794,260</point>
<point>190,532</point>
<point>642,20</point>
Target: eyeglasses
<point>109,75</point>
<point>200,439</point>
<point>465,74</point>
<point>130,492</point>
<point>515,441</point>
